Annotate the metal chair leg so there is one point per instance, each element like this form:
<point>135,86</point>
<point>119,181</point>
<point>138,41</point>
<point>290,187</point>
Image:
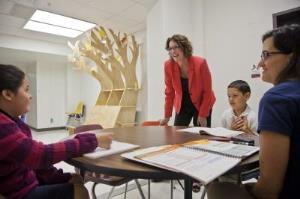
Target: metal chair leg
<point>94,190</point>
<point>125,192</point>
<point>180,184</point>
<point>149,181</point>
<point>203,193</point>
<point>172,186</point>
<point>111,192</point>
<point>139,188</point>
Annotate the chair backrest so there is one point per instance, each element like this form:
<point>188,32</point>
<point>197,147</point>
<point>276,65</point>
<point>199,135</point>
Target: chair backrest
<point>79,109</point>
<point>87,127</point>
<point>151,123</point>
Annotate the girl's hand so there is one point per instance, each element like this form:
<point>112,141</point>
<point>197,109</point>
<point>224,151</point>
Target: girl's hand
<point>104,140</point>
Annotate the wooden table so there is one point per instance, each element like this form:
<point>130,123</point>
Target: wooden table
<point>147,137</point>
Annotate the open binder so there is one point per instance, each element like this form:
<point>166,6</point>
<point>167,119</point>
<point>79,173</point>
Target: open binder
<point>217,131</point>
<point>203,160</point>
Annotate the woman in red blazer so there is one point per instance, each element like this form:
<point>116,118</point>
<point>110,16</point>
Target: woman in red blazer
<point>188,85</point>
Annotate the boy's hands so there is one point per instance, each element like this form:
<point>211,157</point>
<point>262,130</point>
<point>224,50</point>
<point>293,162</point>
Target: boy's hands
<point>104,140</point>
<point>241,124</point>
<point>238,123</point>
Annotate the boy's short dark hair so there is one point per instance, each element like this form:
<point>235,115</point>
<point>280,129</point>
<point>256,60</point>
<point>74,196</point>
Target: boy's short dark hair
<point>241,85</point>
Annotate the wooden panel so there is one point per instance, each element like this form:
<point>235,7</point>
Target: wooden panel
<point>127,115</point>
<point>129,98</point>
<point>115,97</point>
<point>115,56</point>
<point>103,115</point>
<point>103,97</point>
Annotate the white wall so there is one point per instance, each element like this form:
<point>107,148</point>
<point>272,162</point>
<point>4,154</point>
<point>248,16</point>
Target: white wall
<point>226,33</point>
<point>51,94</point>
<point>48,90</point>
<point>31,117</point>
<point>233,30</point>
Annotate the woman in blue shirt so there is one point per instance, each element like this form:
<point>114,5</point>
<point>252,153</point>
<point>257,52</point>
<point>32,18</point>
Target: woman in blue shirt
<point>278,121</point>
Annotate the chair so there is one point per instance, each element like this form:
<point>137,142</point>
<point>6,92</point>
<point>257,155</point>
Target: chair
<point>247,175</point>
<point>75,118</point>
<point>101,178</point>
<point>151,123</point>
<point>157,123</point>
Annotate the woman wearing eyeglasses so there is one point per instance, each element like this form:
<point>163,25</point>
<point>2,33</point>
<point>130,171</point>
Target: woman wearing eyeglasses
<point>278,121</point>
<point>188,85</point>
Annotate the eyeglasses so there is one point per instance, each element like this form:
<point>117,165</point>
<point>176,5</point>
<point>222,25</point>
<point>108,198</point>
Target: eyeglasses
<point>173,48</point>
<point>266,54</point>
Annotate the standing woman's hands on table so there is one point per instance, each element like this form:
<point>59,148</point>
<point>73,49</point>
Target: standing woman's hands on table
<point>104,140</point>
<point>202,121</point>
<point>164,121</point>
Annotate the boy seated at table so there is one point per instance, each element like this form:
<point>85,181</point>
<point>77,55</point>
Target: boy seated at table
<point>240,116</point>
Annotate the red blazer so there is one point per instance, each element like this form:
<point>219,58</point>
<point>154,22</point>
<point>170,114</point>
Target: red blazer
<point>200,86</point>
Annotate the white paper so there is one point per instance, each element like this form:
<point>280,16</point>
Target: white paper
<point>116,147</point>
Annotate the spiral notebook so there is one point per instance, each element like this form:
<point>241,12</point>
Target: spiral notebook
<point>202,160</point>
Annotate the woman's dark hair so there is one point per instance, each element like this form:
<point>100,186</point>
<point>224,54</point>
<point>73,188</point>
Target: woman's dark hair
<point>182,42</point>
<point>11,77</point>
<point>287,40</point>
<point>241,85</point>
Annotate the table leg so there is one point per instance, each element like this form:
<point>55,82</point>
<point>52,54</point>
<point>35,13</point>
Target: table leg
<point>82,173</point>
<point>188,185</point>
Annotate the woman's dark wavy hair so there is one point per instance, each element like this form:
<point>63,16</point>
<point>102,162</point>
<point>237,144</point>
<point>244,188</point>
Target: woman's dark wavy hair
<point>287,40</point>
<point>182,42</point>
<point>11,78</point>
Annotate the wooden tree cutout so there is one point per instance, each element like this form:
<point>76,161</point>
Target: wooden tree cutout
<point>115,70</point>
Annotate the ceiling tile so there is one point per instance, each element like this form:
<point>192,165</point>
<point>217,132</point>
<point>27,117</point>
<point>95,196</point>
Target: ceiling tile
<point>76,9</point>
<point>147,3</point>
<point>113,6</point>
<point>137,13</point>
<point>22,11</point>
<point>6,6</point>
<point>12,21</point>
<point>136,28</point>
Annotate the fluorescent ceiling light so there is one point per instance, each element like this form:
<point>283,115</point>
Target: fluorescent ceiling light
<point>59,20</point>
<point>43,21</point>
<point>41,27</point>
